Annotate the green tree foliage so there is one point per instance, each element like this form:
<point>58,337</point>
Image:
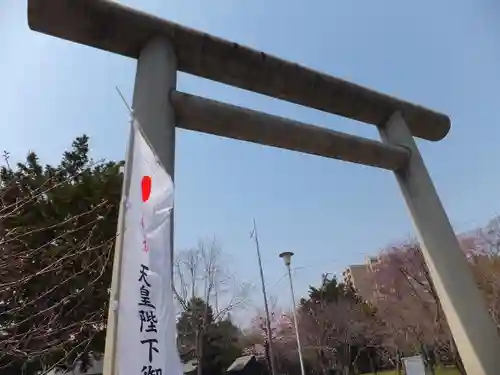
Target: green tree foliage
<point>330,290</point>
<point>215,344</point>
<point>57,230</point>
<point>190,325</point>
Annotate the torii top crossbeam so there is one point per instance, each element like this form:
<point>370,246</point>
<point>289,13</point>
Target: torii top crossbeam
<point>116,28</point>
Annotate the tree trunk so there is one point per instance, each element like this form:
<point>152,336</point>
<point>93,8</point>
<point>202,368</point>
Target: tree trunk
<point>398,363</point>
<point>199,352</point>
<point>372,365</point>
<point>268,357</point>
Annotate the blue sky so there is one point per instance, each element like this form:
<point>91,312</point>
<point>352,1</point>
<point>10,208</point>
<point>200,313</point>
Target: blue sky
<point>444,55</point>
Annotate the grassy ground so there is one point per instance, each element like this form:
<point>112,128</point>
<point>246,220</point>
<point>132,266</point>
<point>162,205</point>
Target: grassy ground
<point>441,371</point>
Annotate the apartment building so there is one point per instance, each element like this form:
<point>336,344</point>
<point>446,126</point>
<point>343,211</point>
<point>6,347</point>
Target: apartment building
<point>359,277</point>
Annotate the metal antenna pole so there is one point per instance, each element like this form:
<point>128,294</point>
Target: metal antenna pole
<point>268,319</point>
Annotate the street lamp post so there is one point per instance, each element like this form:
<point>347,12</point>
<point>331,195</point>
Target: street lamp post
<point>287,258</point>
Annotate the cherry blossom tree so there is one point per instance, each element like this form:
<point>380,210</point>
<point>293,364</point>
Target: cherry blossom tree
<point>336,327</point>
<point>282,336</point>
<point>483,249</point>
<point>406,297</point>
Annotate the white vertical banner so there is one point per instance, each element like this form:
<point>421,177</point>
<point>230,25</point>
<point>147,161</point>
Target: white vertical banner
<point>146,334</point>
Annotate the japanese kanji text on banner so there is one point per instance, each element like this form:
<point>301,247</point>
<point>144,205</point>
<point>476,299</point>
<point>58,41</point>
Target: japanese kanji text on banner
<point>146,332</point>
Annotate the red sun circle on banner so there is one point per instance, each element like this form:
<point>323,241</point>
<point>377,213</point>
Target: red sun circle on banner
<point>146,188</point>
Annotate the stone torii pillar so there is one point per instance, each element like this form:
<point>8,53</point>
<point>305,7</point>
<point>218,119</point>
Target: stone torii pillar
<point>163,47</point>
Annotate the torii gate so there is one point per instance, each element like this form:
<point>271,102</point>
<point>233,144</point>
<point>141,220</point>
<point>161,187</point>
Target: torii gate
<point>163,47</point>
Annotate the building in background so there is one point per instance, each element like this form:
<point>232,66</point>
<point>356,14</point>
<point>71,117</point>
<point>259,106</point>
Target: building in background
<point>358,276</point>
<point>367,288</point>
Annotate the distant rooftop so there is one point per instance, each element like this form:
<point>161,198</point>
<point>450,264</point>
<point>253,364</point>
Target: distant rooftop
<point>240,363</point>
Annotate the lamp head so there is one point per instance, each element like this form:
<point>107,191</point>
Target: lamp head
<point>287,257</point>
